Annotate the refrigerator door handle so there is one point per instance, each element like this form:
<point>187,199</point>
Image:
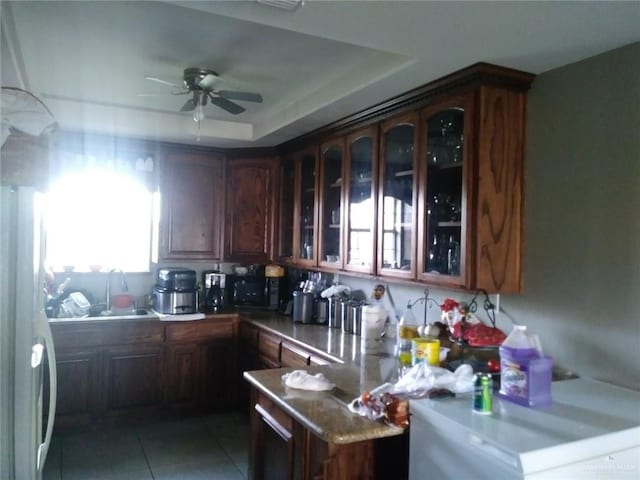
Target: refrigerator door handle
<point>36,355</point>
<point>43,448</point>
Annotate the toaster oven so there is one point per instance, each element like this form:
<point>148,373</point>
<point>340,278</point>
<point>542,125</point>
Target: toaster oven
<point>248,290</point>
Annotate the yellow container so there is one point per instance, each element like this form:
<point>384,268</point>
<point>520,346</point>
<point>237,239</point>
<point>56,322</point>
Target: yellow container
<point>426,350</point>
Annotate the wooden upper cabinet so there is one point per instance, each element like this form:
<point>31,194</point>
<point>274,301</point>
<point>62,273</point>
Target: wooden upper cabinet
<point>471,180</point>
<point>286,209</point>
<point>397,197</point>
<point>360,206</point>
<point>432,195</point>
<point>330,204</point>
<point>498,205</point>
<point>192,200</point>
<point>445,192</point>
<point>305,243</point>
<point>250,219</point>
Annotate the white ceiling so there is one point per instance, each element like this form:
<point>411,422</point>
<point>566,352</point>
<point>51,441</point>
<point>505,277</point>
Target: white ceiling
<point>321,62</point>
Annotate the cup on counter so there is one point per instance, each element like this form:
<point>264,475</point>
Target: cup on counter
<point>426,350</point>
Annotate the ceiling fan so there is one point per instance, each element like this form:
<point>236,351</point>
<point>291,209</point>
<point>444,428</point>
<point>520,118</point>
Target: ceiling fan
<point>200,83</point>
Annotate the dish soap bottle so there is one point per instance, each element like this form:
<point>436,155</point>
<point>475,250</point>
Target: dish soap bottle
<point>407,331</point>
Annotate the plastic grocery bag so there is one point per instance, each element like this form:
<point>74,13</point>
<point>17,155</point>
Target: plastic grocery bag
<point>423,377</point>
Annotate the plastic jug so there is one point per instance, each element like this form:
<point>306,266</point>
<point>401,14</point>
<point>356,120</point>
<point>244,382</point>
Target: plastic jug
<point>525,373</point>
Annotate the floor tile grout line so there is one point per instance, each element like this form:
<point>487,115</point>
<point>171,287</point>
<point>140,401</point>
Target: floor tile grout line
<point>210,429</point>
<point>144,452</point>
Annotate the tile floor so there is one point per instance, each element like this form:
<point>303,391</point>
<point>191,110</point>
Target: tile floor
<point>210,447</point>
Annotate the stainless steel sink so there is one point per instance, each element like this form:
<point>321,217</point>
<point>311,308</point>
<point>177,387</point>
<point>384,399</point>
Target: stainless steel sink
<point>128,314</point>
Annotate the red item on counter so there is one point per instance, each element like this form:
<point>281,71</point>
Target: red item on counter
<point>478,334</point>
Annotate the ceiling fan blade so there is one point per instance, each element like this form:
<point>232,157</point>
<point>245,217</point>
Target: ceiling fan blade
<point>164,82</point>
<point>189,106</point>
<point>208,81</point>
<point>245,96</point>
<point>227,105</point>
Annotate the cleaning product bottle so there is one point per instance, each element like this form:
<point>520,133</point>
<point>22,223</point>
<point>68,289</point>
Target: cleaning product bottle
<point>525,373</point>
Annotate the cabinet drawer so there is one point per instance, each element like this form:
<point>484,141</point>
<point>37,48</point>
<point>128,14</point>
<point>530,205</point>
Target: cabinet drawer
<point>293,356</point>
<point>90,335</point>
<point>269,346</point>
<point>267,408</point>
<point>194,331</point>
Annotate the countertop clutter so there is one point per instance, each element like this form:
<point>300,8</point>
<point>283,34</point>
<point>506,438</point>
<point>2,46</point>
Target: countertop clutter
<point>326,414</point>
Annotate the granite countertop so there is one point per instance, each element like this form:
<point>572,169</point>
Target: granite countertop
<point>325,413</point>
<point>328,342</point>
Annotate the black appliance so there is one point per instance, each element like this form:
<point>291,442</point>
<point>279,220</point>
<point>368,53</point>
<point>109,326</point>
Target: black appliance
<point>217,291</point>
<point>249,290</point>
<point>275,290</point>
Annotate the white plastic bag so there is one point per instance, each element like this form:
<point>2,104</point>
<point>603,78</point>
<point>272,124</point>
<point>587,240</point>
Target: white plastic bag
<point>423,377</point>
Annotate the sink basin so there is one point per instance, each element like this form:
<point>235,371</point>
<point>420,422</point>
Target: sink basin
<point>139,312</point>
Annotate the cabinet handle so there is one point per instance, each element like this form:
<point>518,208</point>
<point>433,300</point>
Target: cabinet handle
<point>273,423</point>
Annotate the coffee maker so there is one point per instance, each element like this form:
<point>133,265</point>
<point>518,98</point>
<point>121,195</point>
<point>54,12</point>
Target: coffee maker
<point>216,290</point>
<point>275,287</point>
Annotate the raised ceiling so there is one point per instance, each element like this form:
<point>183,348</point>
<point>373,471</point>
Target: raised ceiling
<point>314,65</point>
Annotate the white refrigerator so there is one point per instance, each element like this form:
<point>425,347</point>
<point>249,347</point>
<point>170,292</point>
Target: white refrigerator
<point>26,347</point>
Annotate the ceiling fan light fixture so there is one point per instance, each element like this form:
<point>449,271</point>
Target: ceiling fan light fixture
<point>283,4</point>
<point>198,114</point>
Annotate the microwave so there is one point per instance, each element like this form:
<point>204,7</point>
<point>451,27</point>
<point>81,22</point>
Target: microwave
<point>248,291</point>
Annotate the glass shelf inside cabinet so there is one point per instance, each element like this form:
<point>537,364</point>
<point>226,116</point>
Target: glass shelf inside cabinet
<point>307,206</point>
<point>331,204</point>
<point>445,165</point>
<point>397,203</point>
<point>360,204</point>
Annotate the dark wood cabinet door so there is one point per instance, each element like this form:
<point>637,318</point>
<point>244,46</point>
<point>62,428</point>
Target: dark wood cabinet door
<point>305,252</point>
<point>219,376</point>
<point>397,197</point>
<point>249,229</point>
<point>330,204</point>
<point>183,383</point>
<point>276,443</point>
<point>286,209</point>
<point>360,206</point>
<point>192,197</point>
<point>445,192</point>
<point>133,378</point>
<point>78,383</point>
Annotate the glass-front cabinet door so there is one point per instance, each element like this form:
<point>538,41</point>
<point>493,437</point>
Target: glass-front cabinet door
<point>307,208</point>
<point>443,209</point>
<point>360,204</point>
<point>286,209</point>
<point>331,185</point>
<point>398,198</point>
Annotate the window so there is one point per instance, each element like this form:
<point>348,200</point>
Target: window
<point>99,218</point>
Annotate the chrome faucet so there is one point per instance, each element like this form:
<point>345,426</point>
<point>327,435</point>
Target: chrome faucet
<point>123,284</point>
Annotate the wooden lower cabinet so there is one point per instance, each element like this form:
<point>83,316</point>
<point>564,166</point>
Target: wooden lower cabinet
<point>77,373</point>
<point>133,379</point>
<point>131,371</point>
<point>183,366</point>
<point>283,449</point>
<point>219,374</point>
